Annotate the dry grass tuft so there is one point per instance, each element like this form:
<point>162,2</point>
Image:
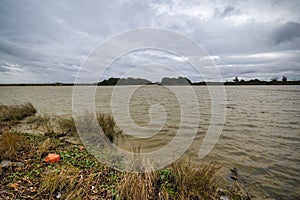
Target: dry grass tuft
<point>9,145</point>
<point>73,183</point>
<point>16,112</point>
<point>139,185</point>
<point>61,180</point>
<point>195,182</point>
<point>88,125</point>
<point>107,123</point>
<point>179,181</point>
<point>68,126</point>
<point>43,149</point>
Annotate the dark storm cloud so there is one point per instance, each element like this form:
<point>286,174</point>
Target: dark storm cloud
<point>226,12</point>
<point>287,32</point>
<point>19,51</point>
<point>46,41</point>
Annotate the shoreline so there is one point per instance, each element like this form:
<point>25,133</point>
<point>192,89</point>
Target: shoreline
<point>29,174</point>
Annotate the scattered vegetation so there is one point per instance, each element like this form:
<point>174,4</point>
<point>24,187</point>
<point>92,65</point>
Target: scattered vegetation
<point>78,175</point>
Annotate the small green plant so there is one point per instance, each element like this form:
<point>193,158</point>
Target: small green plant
<point>78,158</point>
<point>12,177</point>
<point>33,173</point>
<point>166,182</point>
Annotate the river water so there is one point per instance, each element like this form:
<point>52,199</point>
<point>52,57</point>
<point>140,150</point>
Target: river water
<point>260,137</point>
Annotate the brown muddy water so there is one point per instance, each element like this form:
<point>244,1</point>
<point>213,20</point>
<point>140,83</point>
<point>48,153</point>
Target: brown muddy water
<point>260,137</point>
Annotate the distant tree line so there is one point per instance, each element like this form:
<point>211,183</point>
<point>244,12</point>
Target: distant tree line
<point>125,81</point>
<point>186,81</point>
<point>168,81</point>
<point>175,81</point>
<point>273,81</point>
<point>140,81</point>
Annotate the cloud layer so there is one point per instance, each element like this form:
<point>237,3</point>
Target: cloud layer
<point>46,41</point>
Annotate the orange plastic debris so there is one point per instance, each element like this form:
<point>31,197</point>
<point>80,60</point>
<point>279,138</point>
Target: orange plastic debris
<point>52,158</point>
<point>81,148</point>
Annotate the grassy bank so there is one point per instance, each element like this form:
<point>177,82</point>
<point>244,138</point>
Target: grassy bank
<point>16,112</point>
<point>78,175</point>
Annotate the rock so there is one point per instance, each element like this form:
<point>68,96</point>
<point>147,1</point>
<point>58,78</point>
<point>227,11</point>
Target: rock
<point>8,163</point>
<point>224,198</point>
<point>58,196</point>
<point>20,164</point>
<point>234,174</point>
<point>62,138</point>
<point>32,132</point>
<point>38,125</point>
<point>71,140</point>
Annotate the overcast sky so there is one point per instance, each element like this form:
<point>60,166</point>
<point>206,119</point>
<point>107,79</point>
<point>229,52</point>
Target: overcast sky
<point>47,41</point>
